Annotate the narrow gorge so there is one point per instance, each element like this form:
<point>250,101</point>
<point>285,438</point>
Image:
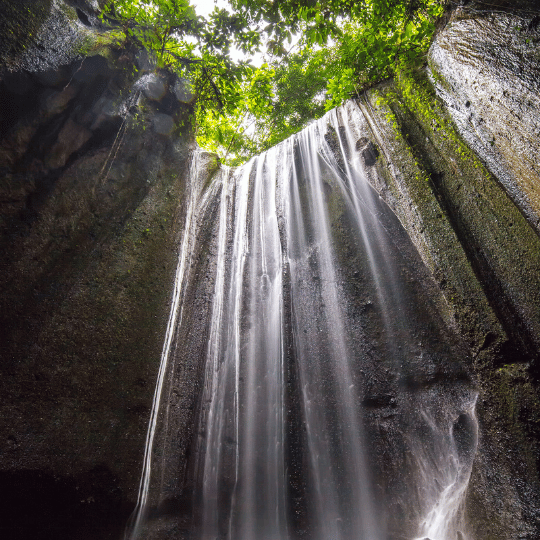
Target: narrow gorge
<point>339,339</point>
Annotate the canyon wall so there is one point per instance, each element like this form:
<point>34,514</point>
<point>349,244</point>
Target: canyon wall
<point>95,153</point>
<point>94,159</point>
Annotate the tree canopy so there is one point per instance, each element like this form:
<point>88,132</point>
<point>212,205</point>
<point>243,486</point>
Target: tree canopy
<point>317,54</point>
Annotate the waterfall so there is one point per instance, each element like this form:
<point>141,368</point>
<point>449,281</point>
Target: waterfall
<point>175,318</point>
<point>334,404</point>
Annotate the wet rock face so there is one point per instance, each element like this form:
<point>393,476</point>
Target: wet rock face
<point>92,204</point>
<point>44,34</point>
<point>486,70</point>
<point>464,225</point>
<point>483,248</point>
<point>92,176</point>
<point>369,151</point>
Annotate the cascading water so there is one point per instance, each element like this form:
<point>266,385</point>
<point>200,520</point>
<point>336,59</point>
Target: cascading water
<point>333,403</point>
<point>175,317</point>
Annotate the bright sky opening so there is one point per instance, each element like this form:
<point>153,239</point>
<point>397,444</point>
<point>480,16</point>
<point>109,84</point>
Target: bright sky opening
<point>205,7</point>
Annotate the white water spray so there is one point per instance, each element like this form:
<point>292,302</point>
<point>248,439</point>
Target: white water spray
<point>320,405</point>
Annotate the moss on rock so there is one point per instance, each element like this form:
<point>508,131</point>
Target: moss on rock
<point>485,257</point>
<point>92,212</point>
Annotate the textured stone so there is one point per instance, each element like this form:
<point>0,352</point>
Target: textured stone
<point>485,256</point>
<point>91,212</point>
<point>163,124</point>
<point>183,91</point>
<point>487,71</point>
<point>92,207</point>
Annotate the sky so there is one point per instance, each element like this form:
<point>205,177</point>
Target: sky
<point>205,7</point>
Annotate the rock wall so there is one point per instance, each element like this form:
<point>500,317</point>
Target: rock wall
<point>486,71</point>
<point>459,158</point>
<point>94,159</point>
<point>484,67</point>
<point>36,35</point>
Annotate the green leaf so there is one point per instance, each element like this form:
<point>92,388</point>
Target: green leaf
<point>409,29</point>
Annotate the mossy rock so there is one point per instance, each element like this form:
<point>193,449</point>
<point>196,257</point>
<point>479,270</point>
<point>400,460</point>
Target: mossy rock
<point>21,21</point>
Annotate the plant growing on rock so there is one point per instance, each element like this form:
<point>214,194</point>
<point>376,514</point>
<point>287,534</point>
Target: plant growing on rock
<point>318,53</point>
<point>197,49</point>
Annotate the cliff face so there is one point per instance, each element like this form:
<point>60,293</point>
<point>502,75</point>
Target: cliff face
<point>459,155</point>
<point>94,160</point>
<point>485,70</point>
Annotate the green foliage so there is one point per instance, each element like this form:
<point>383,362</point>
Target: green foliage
<point>319,52</point>
<point>345,47</point>
<point>374,44</point>
<point>157,25</point>
<point>229,134</point>
<point>279,100</point>
<point>198,50</point>
<point>299,84</point>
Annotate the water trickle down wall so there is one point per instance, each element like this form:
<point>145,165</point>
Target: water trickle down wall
<point>335,400</point>
<point>361,352</point>
<point>84,301</point>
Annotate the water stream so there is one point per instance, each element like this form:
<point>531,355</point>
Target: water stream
<point>334,404</point>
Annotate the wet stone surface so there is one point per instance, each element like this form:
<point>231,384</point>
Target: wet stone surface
<point>91,212</point>
<point>94,200</point>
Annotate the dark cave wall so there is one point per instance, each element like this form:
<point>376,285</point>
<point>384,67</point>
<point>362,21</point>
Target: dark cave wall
<point>486,72</point>
<point>94,158</point>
